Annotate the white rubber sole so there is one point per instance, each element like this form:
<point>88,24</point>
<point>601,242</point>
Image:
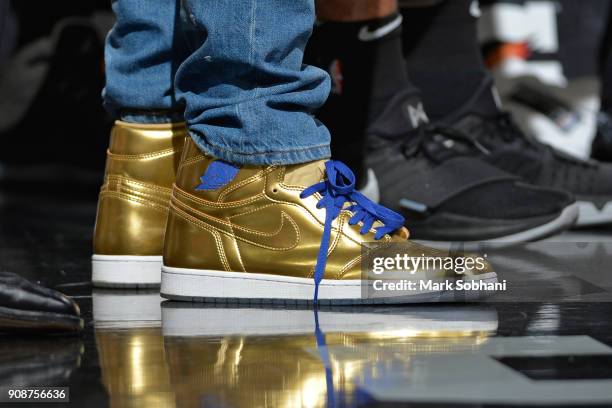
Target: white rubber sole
<point>126,271</point>
<point>198,285</point>
<point>415,321</point>
<point>589,214</point>
<point>564,221</point>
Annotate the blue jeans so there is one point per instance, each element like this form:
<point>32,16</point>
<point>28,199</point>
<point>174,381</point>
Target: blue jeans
<point>232,68</point>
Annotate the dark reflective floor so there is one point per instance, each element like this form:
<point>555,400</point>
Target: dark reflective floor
<point>553,350</point>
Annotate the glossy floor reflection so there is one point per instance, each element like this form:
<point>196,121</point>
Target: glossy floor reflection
<point>230,356</point>
<point>138,351</point>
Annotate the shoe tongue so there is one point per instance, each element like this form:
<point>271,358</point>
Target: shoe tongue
<point>403,114</point>
<point>305,175</point>
<point>484,101</point>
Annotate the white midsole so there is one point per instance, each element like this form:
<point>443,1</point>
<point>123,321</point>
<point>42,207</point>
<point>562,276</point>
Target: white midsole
<point>220,284</point>
<point>109,270</point>
<point>202,283</point>
<point>589,214</point>
<point>565,220</point>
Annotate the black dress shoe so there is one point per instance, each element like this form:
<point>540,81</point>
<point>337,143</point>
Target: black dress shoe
<point>27,307</point>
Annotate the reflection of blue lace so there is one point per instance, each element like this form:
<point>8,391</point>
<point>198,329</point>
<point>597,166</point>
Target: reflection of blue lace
<point>337,190</point>
<point>324,356</point>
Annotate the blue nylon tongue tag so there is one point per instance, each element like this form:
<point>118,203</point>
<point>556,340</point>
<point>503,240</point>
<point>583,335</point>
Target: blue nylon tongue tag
<point>217,175</point>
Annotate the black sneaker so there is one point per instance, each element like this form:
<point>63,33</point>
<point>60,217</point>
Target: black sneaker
<point>505,146</point>
<point>430,175</point>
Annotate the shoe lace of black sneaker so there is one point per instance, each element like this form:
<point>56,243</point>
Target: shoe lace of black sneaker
<point>438,142</point>
<point>505,127</point>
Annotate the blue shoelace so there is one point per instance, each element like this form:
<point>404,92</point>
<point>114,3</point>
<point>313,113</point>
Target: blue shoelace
<point>326,360</point>
<point>336,190</point>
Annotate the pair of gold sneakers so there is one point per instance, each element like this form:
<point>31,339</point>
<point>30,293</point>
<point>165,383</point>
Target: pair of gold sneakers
<point>207,230</point>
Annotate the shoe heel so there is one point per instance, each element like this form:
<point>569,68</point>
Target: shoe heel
<point>126,271</point>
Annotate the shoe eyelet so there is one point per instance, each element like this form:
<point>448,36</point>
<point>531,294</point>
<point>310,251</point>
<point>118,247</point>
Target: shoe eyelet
<point>275,190</point>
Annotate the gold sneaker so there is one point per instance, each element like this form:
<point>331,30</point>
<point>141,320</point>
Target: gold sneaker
<point>279,233</point>
<point>133,204</point>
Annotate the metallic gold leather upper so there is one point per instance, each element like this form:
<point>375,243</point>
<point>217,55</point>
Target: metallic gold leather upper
<point>259,224</point>
<point>141,165</point>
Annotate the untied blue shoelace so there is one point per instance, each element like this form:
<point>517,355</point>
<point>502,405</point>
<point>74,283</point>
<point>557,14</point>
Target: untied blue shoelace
<point>336,190</point>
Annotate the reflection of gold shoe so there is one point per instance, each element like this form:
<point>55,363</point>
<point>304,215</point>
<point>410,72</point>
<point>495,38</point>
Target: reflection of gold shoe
<point>130,348</point>
<point>266,356</point>
<point>449,322</point>
<point>260,233</point>
<point>133,205</point>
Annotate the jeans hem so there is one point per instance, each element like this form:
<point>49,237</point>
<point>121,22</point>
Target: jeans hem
<point>170,117</point>
<point>286,157</point>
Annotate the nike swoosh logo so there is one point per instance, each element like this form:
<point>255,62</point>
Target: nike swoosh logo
<point>286,234</point>
<point>366,35</point>
<point>282,238</point>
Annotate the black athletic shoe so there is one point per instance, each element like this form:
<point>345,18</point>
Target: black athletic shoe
<point>505,146</point>
<point>601,149</point>
<point>446,194</point>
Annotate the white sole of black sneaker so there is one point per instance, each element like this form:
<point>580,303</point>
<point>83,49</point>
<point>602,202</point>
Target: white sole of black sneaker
<point>249,321</point>
<point>201,285</point>
<point>126,271</point>
<point>564,221</point>
<point>589,214</point>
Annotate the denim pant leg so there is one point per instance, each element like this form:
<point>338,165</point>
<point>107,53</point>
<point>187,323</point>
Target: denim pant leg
<point>248,97</point>
<point>143,51</point>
